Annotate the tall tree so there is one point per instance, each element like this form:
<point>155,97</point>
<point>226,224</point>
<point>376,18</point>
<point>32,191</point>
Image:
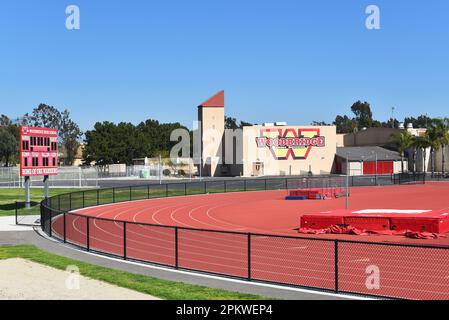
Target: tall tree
<point>403,141</point>
<point>70,135</point>
<point>45,116</point>
<point>9,145</point>
<point>363,114</point>
<point>68,131</point>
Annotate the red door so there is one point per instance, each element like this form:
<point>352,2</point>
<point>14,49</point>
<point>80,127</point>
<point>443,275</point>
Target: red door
<point>383,167</point>
<point>369,168</point>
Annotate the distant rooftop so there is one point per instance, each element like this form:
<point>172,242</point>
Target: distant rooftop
<point>367,153</point>
<point>217,101</point>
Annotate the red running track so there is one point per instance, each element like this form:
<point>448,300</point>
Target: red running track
<point>409,272</point>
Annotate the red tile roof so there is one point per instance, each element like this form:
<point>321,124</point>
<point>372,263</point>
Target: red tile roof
<point>216,100</point>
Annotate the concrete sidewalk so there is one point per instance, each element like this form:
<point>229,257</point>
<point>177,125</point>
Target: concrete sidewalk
<point>8,223</point>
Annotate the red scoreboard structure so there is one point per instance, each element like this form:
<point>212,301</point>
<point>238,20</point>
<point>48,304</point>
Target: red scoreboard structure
<point>38,151</point>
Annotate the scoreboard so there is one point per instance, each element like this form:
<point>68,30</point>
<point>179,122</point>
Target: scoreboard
<point>38,151</point>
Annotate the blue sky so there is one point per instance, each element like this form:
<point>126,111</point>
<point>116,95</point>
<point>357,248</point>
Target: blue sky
<point>294,61</point>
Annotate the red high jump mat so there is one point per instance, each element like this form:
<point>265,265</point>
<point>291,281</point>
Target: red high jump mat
<point>381,220</point>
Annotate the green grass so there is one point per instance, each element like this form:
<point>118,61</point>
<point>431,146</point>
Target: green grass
<point>9,196</point>
<point>159,288</point>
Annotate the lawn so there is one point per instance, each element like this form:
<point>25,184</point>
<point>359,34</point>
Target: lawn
<point>9,196</point>
<point>159,288</point>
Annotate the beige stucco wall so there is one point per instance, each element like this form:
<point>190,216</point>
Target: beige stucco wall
<point>212,126</point>
<point>369,137</point>
<point>319,160</point>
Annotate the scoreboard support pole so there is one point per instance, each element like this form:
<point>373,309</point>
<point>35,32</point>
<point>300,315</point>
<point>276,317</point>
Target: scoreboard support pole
<point>46,193</point>
<point>27,192</point>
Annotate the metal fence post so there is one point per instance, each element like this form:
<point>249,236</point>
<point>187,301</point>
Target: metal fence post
<point>205,187</point>
<point>124,240</point>
<point>50,216</point>
<point>17,222</point>
<point>98,197</point>
<point>113,195</point>
<point>70,201</point>
<point>249,256</point>
<point>84,202</point>
<point>148,191</point>
<point>225,186</point>
<point>166,189</point>
<point>336,265</point>
<point>130,193</point>
<point>244,185</point>
<point>176,249</point>
<point>185,188</point>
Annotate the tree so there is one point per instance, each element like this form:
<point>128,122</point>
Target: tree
<point>423,121</point>
<point>432,136</point>
<point>442,135</point>
<point>109,143</point>
<point>231,123</point>
<point>403,141</point>
<point>68,131</point>
<point>9,145</point>
<point>319,123</point>
<point>70,135</point>
<point>45,116</point>
<point>363,114</point>
<point>344,124</point>
<point>391,123</point>
<point>5,121</point>
<point>422,143</point>
<point>245,124</point>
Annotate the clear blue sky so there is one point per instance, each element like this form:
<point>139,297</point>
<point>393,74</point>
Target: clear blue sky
<point>294,61</point>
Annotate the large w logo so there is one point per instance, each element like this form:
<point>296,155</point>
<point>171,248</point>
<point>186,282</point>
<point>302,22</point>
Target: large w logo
<point>294,143</point>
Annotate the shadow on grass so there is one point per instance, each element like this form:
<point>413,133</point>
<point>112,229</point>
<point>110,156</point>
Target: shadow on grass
<point>20,205</point>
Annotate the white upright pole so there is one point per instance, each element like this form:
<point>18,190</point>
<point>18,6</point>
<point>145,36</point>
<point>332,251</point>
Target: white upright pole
<point>376,169</point>
<point>160,169</point>
<point>347,182</point>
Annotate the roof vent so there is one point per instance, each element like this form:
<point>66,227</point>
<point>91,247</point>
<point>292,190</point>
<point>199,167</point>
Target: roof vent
<point>281,123</point>
<point>401,125</point>
<point>268,124</point>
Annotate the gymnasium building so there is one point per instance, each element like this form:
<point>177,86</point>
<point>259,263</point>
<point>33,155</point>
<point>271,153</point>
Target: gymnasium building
<point>278,148</point>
